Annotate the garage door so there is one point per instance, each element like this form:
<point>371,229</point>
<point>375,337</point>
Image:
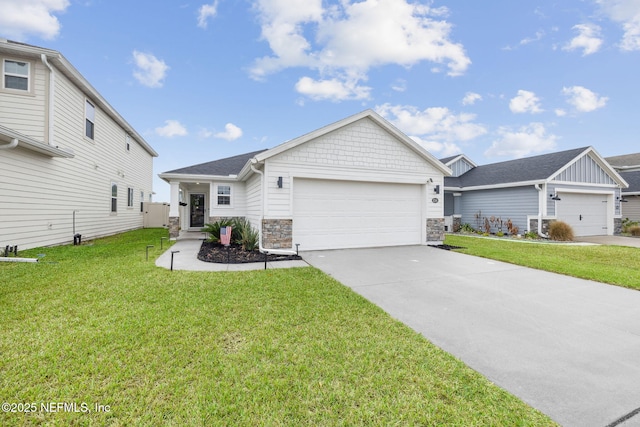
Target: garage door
<point>347,214</point>
<point>586,213</point>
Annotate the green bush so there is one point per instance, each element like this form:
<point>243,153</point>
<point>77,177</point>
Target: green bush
<point>627,224</point>
<point>634,230</point>
<point>213,229</point>
<point>531,235</point>
<point>467,228</point>
<point>561,231</point>
<point>247,236</point>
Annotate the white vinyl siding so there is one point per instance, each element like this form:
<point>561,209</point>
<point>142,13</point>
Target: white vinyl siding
<point>39,194</point>
<point>361,151</point>
<point>26,112</point>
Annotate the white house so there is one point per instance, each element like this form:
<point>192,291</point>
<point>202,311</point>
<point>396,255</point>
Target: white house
<point>359,182</point>
<point>70,164</point>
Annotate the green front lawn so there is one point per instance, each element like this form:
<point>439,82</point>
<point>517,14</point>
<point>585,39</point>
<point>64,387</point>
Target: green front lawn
<point>617,265</point>
<point>98,325</point>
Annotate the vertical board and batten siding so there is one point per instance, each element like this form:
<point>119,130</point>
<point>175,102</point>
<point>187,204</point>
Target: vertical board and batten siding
<point>39,194</point>
<point>360,151</point>
<point>586,170</point>
<point>25,113</point>
<point>460,167</point>
<point>507,203</point>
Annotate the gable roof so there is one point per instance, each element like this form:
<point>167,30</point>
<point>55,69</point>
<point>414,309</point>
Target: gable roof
<point>448,161</point>
<point>626,161</point>
<point>527,170</point>
<point>222,167</point>
<point>370,114</point>
<point>633,179</point>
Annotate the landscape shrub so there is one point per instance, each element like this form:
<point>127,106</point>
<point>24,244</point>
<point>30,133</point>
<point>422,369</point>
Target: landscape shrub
<point>634,230</point>
<point>627,224</point>
<point>213,229</point>
<point>531,235</point>
<point>467,228</point>
<point>248,236</point>
<point>561,231</point>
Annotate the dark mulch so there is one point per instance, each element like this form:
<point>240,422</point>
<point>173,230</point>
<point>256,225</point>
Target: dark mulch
<point>215,252</point>
<point>447,247</point>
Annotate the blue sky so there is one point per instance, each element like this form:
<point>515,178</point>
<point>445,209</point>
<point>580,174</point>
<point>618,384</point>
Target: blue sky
<point>493,80</point>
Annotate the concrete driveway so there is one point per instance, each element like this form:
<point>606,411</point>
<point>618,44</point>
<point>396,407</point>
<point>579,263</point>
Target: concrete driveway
<point>568,347</point>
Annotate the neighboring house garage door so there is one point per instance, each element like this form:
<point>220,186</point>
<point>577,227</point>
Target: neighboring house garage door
<point>587,214</point>
<point>348,214</point>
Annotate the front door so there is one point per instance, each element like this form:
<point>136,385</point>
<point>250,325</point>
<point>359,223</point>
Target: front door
<point>197,210</point>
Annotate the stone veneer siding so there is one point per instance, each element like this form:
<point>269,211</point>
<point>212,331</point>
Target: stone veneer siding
<point>174,227</point>
<point>277,233</point>
<point>435,229</point>
<point>617,226</point>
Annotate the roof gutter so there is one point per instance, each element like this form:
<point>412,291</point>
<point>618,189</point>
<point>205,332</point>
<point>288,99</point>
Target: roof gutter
<point>254,162</point>
<point>10,145</point>
<point>51,100</point>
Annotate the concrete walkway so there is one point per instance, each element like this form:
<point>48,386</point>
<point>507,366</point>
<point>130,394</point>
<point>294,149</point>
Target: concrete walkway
<point>185,257</point>
<point>568,347</point>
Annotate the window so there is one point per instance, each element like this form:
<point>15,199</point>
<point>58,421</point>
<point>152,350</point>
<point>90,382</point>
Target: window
<point>224,195</point>
<point>90,118</point>
<point>130,197</point>
<point>127,142</point>
<point>142,201</point>
<point>114,197</point>
<point>16,75</point>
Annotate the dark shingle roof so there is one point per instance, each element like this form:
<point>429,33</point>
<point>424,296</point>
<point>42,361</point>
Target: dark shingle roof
<point>448,159</point>
<point>633,179</point>
<point>625,160</point>
<point>519,170</point>
<point>223,167</point>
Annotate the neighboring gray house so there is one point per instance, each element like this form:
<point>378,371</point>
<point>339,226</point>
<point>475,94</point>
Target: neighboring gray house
<point>359,182</point>
<point>576,186</point>
<point>70,163</point>
<point>629,168</point>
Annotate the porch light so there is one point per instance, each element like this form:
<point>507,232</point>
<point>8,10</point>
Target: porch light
<point>554,197</point>
<point>279,182</point>
<point>436,189</point>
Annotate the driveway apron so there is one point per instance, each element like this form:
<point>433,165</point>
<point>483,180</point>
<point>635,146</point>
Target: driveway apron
<point>566,346</point>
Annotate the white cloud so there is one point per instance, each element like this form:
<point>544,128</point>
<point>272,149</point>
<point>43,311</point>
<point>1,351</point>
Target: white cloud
<point>231,132</point>
<point>205,12</point>
<point>560,112</point>
<point>525,102</point>
<point>583,99</point>
<point>588,39</point>
<point>343,41</point>
<point>400,85</point>
<point>150,71</point>
<point>437,128</point>
<point>21,18</point>
<point>527,140</point>
<point>539,35</point>
<point>471,98</point>
<point>627,13</point>
<point>332,89</point>
<point>171,128</point>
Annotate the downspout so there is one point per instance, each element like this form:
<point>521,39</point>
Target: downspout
<point>262,198</point>
<point>51,100</point>
<point>9,146</point>
<point>540,233</point>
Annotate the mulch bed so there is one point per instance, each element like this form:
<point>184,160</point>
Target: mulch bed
<point>215,252</point>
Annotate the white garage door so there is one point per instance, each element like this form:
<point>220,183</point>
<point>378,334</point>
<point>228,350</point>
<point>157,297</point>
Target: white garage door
<point>348,214</point>
<point>587,214</point>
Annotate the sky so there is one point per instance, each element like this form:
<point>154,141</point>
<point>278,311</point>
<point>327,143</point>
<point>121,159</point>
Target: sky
<point>498,80</point>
